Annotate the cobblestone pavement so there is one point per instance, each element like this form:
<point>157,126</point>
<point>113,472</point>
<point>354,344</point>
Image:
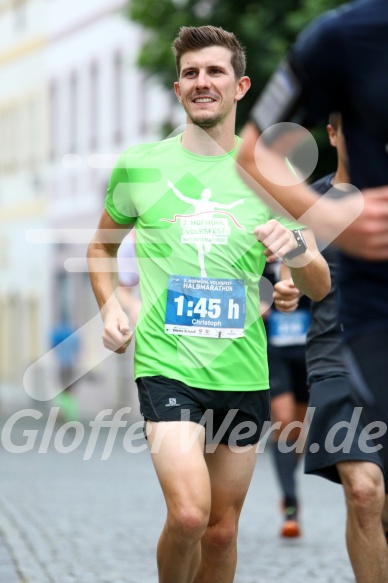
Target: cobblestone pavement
<point>68,520</point>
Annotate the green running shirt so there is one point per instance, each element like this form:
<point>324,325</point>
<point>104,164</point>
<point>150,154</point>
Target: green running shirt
<point>199,265</point>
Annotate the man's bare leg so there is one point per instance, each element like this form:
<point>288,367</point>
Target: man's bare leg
<point>364,490</point>
<point>177,449</point>
<point>230,470</point>
<point>385,516</point>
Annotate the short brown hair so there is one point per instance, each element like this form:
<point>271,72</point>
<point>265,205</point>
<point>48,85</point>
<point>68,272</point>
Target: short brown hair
<point>194,38</point>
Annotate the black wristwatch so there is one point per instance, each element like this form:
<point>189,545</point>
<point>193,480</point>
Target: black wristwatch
<point>301,248</point>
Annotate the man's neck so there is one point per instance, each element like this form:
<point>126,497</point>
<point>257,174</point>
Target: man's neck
<point>340,177</point>
<point>214,141</point>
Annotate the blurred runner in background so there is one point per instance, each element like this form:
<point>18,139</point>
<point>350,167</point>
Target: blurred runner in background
<point>353,464</point>
<point>286,334</point>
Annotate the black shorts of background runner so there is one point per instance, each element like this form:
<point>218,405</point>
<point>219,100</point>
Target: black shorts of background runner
<point>333,403</point>
<point>287,372</point>
<point>367,358</point>
<point>238,417</point>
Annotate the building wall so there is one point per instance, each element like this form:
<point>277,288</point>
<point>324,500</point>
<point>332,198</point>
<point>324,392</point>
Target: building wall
<point>71,100</point>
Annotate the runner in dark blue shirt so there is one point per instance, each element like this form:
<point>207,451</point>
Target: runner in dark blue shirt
<point>340,63</point>
<point>334,448</point>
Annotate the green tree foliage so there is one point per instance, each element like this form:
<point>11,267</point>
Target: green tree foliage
<point>265,28</point>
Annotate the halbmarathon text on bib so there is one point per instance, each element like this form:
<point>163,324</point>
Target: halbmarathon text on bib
<point>205,307</point>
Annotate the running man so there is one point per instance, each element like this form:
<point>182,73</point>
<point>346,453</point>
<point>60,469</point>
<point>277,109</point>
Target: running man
<point>340,64</point>
<point>200,355</point>
<point>359,469</point>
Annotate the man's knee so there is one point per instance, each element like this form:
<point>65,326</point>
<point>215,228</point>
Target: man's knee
<point>364,490</point>
<point>187,523</point>
<point>220,537</point>
<point>385,514</point>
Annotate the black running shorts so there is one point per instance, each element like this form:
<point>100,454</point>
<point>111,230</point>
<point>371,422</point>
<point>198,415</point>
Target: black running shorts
<point>366,356</point>
<point>335,433</point>
<point>229,417</point>
<point>287,372</point>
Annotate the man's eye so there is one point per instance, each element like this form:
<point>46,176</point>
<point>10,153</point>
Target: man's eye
<point>215,71</point>
<point>190,74</point>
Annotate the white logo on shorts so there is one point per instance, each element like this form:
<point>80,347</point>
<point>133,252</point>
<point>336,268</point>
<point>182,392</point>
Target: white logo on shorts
<point>172,403</point>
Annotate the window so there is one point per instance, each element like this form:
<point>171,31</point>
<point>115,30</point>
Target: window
<point>143,102</point>
<point>20,13</point>
<point>2,142</point>
<point>13,138</point>
<point>33,329</point>
<point>6,123</point>
<point>15,322</point>
<point>54,119</point>
<point>62,297</point>
<point>94,105</point>
<point>118,98</point>
<point>4,339</point>
<point>34,128</point>
<point>73,122</point>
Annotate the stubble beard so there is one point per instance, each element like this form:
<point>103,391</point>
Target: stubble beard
<point>206,123</point>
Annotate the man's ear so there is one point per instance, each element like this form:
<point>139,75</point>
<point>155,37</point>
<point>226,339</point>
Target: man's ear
<point>177,90</point>
<point>244,84</point>
<point>332,135</point>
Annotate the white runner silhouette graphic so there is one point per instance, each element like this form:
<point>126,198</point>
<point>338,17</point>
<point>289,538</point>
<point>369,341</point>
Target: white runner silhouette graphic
<point>203,205</point>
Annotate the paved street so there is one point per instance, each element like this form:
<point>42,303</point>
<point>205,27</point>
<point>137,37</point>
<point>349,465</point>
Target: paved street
<point>65,520</point>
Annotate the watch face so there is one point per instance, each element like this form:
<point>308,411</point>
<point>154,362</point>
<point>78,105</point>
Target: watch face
<point>301,248</point>
<point>300,239</point>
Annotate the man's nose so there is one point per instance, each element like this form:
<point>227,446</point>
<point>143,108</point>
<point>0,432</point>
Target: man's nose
<point>203,80</point>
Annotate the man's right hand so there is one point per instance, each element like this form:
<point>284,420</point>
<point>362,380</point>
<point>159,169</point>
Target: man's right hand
<point>117,333</point>
<point>367,237</point>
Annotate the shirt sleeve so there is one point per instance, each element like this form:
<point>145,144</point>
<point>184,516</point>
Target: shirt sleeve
<point>118,203</point>
<point>288,223</point>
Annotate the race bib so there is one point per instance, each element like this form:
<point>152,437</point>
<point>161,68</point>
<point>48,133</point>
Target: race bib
<point>205,307</point>
<point>288,329</point>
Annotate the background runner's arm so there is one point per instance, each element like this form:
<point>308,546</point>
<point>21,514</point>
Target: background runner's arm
<point>286,295</point>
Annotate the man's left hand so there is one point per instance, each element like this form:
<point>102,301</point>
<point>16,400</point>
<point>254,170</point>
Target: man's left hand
<point>277,239</point>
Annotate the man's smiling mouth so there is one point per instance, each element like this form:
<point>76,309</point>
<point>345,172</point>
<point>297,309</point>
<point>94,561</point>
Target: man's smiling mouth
<point>204,100</point>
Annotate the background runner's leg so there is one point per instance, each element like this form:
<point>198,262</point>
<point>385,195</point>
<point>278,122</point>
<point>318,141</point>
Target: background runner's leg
<point>364,490</point>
